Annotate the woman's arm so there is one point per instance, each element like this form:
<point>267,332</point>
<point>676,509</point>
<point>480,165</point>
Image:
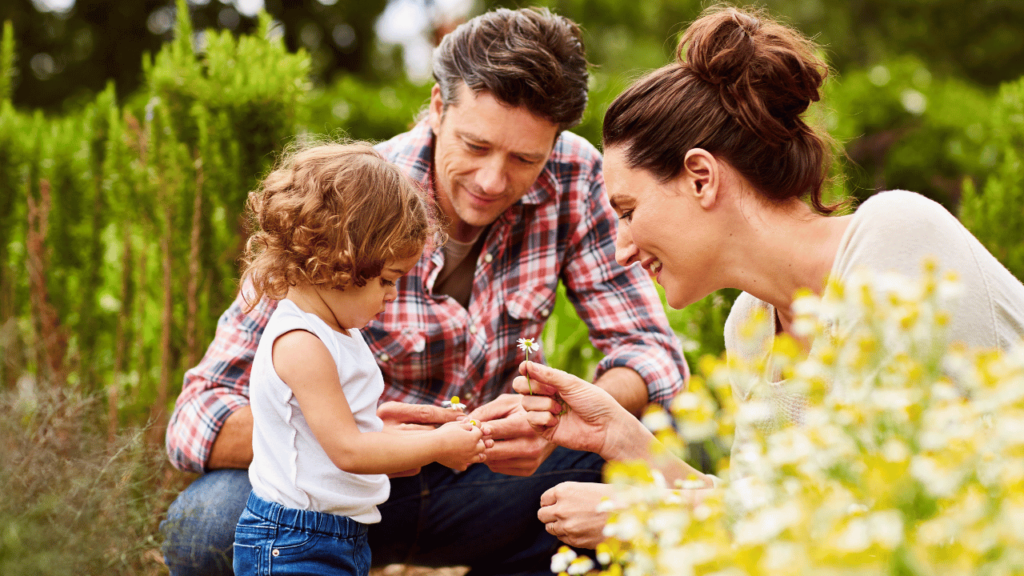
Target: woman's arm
<point>303,362</point>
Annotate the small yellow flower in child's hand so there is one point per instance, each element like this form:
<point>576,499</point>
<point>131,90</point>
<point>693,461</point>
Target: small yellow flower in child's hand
<point>454,404</point>
<point>474,423</point>
<point>528,345</point>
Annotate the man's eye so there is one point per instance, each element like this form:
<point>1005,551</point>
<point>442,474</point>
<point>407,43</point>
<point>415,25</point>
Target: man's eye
<point>475,147</point>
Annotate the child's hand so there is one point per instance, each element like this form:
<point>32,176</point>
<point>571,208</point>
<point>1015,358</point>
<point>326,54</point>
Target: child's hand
<point>462,444</point>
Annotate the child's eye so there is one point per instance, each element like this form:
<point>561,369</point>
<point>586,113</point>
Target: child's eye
<point>386,283</point>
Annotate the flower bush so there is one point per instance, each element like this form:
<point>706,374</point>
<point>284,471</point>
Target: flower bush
<point>907,456</point>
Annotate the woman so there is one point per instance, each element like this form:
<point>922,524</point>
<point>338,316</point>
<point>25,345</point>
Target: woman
<point>717,181</point>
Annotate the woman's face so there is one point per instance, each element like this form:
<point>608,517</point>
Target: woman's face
<point>663,228</point>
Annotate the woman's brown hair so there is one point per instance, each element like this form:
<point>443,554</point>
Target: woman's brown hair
<point>331,215</point>
<point>738,89</point>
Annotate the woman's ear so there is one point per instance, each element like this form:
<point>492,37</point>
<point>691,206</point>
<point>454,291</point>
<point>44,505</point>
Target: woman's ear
<point>701,177</point>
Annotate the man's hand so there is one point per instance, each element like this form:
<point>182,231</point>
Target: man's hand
<point>401,418</point>
<point>569,513</point>
<point>518,450</point>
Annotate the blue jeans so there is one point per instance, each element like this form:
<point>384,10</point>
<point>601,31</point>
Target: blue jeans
<point>439,517</point>
<point>274,540</point>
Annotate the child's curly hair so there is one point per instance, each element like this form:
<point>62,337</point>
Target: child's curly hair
<point>331,215</point>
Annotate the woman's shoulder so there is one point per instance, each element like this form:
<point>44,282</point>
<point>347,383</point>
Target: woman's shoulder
<point>902,206</point>
<point>896,230</point>
<point>743,331</point>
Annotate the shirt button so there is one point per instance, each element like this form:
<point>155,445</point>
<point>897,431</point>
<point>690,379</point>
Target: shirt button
<point>384,357</point>
<point>418,346</point>
<point>488,258</point>
<point>545,312</point>
<point>472,329</point>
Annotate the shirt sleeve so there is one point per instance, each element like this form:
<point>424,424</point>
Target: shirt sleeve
<point>620,305</point>
<point>217,386</point>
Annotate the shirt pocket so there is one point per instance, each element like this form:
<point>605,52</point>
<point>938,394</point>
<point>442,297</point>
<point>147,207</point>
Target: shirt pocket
<point>528,309</point>
<point>402,355</point>
<point>388,345</point>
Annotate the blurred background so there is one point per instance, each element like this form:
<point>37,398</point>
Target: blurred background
<point>131,131</point>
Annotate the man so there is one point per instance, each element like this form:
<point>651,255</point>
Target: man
<point>523,205</point>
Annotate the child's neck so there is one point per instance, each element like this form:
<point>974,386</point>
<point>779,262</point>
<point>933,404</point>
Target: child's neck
<point>309,300</point>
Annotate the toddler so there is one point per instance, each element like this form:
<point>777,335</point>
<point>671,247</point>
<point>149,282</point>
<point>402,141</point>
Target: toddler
<point>335,227</point>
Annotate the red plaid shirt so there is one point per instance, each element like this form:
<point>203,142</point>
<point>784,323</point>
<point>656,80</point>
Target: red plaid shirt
<point>431,348</point>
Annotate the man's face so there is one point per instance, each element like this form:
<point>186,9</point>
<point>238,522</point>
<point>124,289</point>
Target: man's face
<point>486,157</point>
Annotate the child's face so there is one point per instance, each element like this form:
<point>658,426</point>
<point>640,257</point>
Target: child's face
<point>356,306</point>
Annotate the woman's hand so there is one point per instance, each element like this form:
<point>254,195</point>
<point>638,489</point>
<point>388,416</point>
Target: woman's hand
<point>569,411</point>
<point>569,513</point>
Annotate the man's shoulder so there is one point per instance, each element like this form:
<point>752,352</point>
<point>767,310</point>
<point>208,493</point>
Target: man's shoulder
<point>572,148</point>
<point>407,145</point>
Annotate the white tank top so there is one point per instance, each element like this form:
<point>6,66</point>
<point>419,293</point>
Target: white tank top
<point>289,466</point>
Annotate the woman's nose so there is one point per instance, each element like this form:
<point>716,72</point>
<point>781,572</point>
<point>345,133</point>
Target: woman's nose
<point>625,250</point>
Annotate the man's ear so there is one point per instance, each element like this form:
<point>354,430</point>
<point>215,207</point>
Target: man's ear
<point>701,177</point>
<point>436,109</point>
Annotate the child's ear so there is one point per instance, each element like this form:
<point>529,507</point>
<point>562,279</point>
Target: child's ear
<point>701,177</point>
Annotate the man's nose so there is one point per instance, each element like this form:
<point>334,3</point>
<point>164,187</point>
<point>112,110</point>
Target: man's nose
<point>625,251</point>
<point>491,177</point>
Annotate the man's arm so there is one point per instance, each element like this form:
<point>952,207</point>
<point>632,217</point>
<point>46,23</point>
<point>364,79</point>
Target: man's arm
<point>232,447</point>
<point>626,386</point>
<point>214,399</point>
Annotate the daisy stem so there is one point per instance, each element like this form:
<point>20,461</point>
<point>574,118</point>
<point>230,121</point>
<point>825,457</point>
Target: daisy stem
<point>528,383</point>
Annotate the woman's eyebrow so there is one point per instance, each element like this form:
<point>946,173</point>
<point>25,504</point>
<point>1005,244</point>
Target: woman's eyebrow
<point>616,200</point>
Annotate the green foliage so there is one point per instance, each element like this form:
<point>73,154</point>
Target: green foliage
<point>6,61</point>
<point>904,128</point>
<point>124,180</point>
<point>995,214</point>
<point>364,110</point>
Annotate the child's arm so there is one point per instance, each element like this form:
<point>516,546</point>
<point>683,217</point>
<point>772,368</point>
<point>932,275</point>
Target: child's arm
<point>306,366</point>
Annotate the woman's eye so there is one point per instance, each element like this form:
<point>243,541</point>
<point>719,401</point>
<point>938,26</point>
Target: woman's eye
<point>627,216</point>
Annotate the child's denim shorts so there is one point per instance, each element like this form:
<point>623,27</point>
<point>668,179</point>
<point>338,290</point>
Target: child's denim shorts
<point>271,540</point>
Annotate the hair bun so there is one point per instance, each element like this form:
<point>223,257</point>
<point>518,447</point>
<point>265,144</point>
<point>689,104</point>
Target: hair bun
<point>767,74</point>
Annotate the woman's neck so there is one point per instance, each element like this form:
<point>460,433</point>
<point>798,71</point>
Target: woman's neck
<point>788,247</point>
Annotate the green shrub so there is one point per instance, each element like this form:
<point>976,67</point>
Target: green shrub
<point>995,213</point>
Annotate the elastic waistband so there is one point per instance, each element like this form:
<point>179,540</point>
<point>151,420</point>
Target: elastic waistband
<point>305,520</point>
